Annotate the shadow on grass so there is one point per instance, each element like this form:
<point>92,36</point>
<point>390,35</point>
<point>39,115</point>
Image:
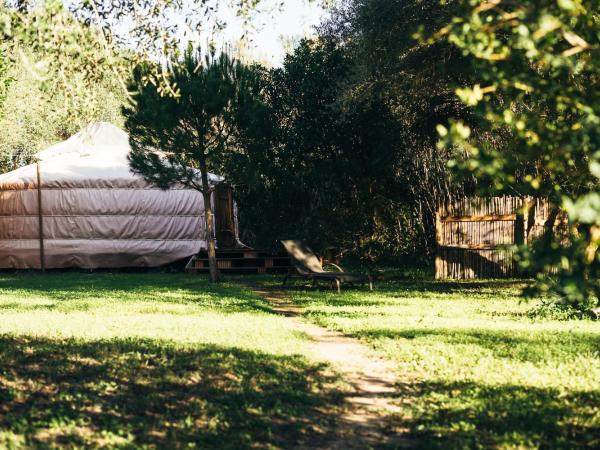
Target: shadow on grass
<point>65,287</point>
<point>470,415</point>
<point>147,394</point>
<point>468,287</point>
<point>393,292</point>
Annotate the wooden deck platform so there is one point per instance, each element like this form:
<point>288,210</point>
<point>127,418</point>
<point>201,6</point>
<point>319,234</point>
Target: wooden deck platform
<point>243,261</point>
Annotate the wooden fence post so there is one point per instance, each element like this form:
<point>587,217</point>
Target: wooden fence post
<point>438,244</point>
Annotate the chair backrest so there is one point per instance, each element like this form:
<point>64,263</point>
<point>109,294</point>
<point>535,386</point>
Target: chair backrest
<point>303,257</point>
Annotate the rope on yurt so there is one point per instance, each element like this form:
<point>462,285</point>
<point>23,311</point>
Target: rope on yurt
<point>40,219</point>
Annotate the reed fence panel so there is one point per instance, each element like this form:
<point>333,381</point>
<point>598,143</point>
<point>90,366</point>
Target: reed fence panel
<point>475,235</point>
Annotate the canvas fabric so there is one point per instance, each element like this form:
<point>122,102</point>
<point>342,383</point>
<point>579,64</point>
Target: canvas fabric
<point>95,212</point>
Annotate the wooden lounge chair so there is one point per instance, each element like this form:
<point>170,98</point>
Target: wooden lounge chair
<point>308,266</point>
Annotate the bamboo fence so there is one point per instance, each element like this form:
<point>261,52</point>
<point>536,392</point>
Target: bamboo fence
<point>475,236</point>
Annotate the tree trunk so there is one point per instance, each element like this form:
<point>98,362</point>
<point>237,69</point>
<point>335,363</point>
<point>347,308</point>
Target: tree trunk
<point>550,222</point>
<point>209,226</point>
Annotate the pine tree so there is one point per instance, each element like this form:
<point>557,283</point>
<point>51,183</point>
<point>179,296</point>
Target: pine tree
<point>177,137</point>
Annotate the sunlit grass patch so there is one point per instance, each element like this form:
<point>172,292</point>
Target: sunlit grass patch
<point>176,307</point>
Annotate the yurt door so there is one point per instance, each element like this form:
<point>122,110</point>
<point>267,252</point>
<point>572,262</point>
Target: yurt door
<point>224,220</point>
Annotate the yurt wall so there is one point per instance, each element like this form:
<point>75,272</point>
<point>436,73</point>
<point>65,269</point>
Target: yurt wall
<point>81,206</point>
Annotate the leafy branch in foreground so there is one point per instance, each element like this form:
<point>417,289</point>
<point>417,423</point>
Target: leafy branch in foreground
<point>538,64</point>
<point>65,56</point>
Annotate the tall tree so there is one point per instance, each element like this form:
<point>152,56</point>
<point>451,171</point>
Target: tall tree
<point>415,82</point>
<point>179,139</point>
<point>314,166</point>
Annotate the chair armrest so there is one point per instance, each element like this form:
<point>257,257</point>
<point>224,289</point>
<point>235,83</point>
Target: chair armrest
<point>334,265</point>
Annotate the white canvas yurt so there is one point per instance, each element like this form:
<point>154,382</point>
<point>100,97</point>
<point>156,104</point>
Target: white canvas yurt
<point>81,206</point>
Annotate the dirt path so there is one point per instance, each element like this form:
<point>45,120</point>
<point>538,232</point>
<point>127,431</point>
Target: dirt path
<point>366,423</point>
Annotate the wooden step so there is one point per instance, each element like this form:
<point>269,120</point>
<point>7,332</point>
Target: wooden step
<point>243,261</point>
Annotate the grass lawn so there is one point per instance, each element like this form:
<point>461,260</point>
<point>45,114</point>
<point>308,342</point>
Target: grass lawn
<point>475,370</point>
<point>152,361</point>
<point>156,360</point>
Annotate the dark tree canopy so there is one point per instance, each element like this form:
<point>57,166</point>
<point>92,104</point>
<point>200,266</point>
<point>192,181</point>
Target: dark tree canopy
<point>349,159</point>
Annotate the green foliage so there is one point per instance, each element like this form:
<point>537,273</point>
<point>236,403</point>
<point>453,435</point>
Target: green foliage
<point>476,371</point>
<point>5,78</point>
<point>413,82</point>
<point>538,70</point>
<point>304,172</point>
<point>174,136</point>
<point>66,55</point>
<point>147,29</point>
<point>34,117</point>
<point>47,99</point>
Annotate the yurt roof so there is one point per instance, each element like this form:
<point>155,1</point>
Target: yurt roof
<point>95,157</point>
<point>94,138</point>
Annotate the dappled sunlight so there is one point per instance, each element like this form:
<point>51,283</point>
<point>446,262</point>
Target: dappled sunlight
<point>136,393</point>
<point>554,360</point>
<point>157,360</point>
